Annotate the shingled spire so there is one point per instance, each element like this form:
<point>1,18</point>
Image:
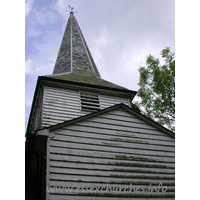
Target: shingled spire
<point>74,61</point>
<point>74,55</point>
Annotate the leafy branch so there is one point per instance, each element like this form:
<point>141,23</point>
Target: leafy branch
<point>157,89</point>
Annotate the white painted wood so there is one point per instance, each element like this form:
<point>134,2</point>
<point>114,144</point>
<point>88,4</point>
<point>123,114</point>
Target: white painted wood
<point>113,137</point>
<point>111,155</point>
<point>61,104</point>
<point>126,118</point>
<point>115,147</point>
<point>105,179</point>
<point>107,161</point>
<point>132,144</point>
<point>112,147</point>
<point>75,184</point>
<point>55,170</point>
<point>144,134</point>
<point>119,123</point>
<point>83,166</point>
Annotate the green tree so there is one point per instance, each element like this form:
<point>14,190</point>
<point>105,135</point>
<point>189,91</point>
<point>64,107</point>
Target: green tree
<point>157,89</point>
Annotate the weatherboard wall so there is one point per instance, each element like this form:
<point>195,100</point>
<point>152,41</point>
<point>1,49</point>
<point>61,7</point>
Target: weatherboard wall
<point>114,149</point>
<point>63,104</point>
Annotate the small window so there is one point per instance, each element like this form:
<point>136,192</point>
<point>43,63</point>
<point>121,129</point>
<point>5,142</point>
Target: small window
<point>90,102</point>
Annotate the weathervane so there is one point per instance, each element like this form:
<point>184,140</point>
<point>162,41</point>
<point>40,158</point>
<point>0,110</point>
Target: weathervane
<point>71,9</point>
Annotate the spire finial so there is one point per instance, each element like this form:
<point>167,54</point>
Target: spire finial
<point>71,9</point>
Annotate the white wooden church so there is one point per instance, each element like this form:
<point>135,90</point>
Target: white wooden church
<point>86,140</point>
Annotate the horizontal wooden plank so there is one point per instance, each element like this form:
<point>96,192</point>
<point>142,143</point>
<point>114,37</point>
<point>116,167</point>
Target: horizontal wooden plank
<point>118,191</point>
<point>104,179</point>
<point>133,144</point>
<point>146,134</point>
<point>120,175</point>
<point>108,155</point>
<point>170,186</point>
<point>111,98</point>
<point>74,165</point>
<point>60,90</point>
<point>47,120</point>
<point>61,113</point>
<point>56,119</point>
<point>62,109</point>
<point>61,97</point>
<point>86,134</point>
<point>127,118</point>
<point>109,148</point>
<point>104,161</point>
<point>47,124</point>
<point>115,127</point>
<point>126,130</point>
<point>122,113</point>
<point>126,125</point>
<point>67,97</point>
<point>50,101</point>
<point>120,123</point>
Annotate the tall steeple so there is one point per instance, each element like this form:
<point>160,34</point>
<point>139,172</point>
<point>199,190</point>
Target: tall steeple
<point>74,55</point>
<point>74,61</point>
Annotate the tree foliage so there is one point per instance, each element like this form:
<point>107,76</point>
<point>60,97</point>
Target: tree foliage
<point>157,89</point>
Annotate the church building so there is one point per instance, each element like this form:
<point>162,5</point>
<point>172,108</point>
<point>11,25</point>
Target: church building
<point>86,140</point>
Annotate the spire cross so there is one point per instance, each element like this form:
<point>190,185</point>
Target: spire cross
<point>71,8</point>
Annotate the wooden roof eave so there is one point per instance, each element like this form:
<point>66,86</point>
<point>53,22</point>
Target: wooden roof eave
<point>45,78</point>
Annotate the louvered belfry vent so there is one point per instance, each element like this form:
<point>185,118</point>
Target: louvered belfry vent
<point>90,102</point>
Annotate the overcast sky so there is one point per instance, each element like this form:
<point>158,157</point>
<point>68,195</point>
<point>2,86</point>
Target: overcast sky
<point>119,33</point>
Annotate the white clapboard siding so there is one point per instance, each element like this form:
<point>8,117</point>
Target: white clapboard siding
<point>107,101</point>
<point>114,149</point>
<point>60,105</point>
